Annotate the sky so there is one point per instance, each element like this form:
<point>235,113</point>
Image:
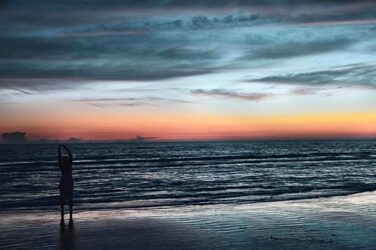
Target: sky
<point>188,70</point>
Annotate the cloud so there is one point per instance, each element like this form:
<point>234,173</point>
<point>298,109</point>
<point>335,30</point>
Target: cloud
<point>91,71</point>
<point>34,47</point>
<point>21,91</point>
<point>121,104</point>
<point>360,75</point>
<point>142,58</point>
<point>306,91</point>
<point>74,43</point>
<point>36,85</point>
<point>129,101</point>
<point>184,3</point>
<point>323,92</point>
<point>293,48</point>
<point>231,94</point>
<point>284,10</point>
<point>37,63</point>
<point>152,25</point>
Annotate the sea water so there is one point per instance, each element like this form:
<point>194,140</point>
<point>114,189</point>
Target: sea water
<point>175,174</point>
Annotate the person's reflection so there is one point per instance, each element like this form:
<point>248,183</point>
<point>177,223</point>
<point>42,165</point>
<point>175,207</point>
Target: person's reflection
<point>67,238</point>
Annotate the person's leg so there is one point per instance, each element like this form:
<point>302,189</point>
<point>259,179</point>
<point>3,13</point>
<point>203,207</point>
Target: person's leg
<point>70,211</point>
<point>62,209</point>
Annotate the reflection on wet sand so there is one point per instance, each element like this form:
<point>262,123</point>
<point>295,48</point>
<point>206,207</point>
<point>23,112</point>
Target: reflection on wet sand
<point>332,223</point>
<point>67,237</point>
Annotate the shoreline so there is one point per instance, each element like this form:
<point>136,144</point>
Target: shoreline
<point>368,197</point>
<point>341,222</point>
<point>148,206</point>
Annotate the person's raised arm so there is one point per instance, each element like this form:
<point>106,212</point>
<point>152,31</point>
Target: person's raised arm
<point>69,153</point>
<point>67,150</point>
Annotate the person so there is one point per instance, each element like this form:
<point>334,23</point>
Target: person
<point>66,183</point>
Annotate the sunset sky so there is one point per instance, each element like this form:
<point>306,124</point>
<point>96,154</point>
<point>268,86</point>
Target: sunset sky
<point>187,70</point>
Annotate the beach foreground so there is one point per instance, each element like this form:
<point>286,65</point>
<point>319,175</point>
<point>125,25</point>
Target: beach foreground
<point>347,222</point>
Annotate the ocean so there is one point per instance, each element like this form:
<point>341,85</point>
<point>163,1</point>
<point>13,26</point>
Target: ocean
<point>157,175</point>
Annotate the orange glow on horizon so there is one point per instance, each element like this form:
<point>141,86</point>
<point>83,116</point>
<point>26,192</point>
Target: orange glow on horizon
<point>196,126</point>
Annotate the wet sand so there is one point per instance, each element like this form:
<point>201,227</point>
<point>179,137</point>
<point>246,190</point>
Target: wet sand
<point>347,222</point>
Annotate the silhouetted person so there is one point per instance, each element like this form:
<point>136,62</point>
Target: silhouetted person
<point>66,183</point>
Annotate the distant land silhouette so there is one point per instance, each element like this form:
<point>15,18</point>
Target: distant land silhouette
<point>142,138</point>
<point>14,137</point>
<point>19,137</point>
<point>74,140</point>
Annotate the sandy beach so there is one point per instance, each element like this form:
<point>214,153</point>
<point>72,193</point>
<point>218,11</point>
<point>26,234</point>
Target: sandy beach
<point>343,222</point>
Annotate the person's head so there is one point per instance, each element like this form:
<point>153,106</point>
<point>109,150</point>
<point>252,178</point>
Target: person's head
<point>65,163</point>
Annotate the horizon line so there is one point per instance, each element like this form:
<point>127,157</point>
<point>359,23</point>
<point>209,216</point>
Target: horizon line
<point>83,141</point>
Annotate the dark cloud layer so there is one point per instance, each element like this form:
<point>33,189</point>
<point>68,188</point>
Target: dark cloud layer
<point>180,3</point>
<point>290,49</point>
<point>49,44</point>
